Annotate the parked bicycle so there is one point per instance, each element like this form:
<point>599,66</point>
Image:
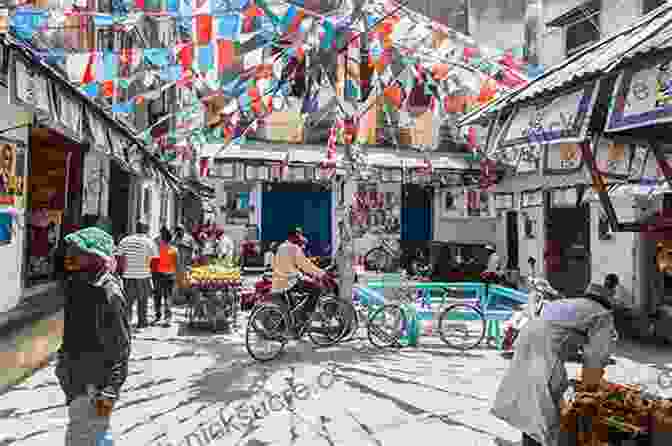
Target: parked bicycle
<point>461,324</point>
<point>278,321</point>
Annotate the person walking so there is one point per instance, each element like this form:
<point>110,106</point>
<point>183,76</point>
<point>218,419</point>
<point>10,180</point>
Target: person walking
<point>138,250</point>
<point>93,358</point>
<point>166,271</point>
<point>184,243</point>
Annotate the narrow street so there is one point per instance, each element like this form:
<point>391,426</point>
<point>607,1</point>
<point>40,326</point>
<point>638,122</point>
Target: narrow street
<point>186,387</point>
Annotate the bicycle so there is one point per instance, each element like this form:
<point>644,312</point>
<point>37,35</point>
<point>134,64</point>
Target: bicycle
<point>383,257</point>
<point>278,322</point>
<point>400,316</point>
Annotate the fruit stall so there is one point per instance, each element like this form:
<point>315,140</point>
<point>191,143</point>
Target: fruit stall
<point>615,414</point>
<point>215,296</point>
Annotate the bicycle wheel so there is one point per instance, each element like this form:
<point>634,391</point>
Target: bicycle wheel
<point>352,318</point>
<point>267,324</point>
<point>386,325</point>
<point>377,259</point>
<point>328,324</point>
<point>462,326</point>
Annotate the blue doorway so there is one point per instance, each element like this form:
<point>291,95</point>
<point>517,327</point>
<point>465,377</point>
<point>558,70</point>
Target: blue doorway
<point>416,220</point>
<point>308,205</point>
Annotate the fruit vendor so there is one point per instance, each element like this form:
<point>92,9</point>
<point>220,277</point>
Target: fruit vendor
<point>532,403</point>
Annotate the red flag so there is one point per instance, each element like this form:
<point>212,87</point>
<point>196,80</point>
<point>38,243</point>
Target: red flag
<point>89,75</point>
<point>187,56</point>
<point>140,4</point>
<point>204,167</point>
<point>204,29</point>
<point>226,54</point>
<point>108,89</point>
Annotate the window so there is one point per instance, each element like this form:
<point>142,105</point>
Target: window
<point>581,26</point>
<point>582,33</point>
<point>650,5</point>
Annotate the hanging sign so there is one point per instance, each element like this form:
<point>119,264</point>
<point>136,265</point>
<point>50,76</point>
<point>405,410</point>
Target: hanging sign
<point>98,132</point>
<point>504,201</point>
<point>70,115</point>
<point>531,199</point>
<point>612,158</point>
<point>29,88</point>
<point>529,159</point>
<point>641,98</point>
<point>563,119</point>
<point>562,158</point>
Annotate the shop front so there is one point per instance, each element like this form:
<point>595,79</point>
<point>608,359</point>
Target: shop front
<point>392,201</point>
<point>620,136</point>
<point>58,147</point>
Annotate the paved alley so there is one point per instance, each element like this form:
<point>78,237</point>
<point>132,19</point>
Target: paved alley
<point>189,388</point>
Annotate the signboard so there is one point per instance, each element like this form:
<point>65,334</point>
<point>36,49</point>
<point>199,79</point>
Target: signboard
<point>642,98</point>
<point>98,132</point>
<point>508,156</point>
<point>70,115</point>
<point>638,162</point>
<point>562,158</point>
<point>504,201</point>
<point>612,158</point>
<point>529,160</point>
<point>531,199</point>
<point>28,87</point>
<point>563,119</point>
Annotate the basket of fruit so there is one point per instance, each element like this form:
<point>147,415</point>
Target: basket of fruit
<point>214,277</point>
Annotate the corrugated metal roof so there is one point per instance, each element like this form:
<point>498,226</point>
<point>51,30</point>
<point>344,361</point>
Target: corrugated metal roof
<point>649,33</point>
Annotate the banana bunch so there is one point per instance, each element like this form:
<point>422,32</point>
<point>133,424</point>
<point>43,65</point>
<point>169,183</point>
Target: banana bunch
<point>213,277</point>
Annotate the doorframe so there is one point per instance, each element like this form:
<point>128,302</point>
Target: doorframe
<point>512,215</point>
<point>586,218</point>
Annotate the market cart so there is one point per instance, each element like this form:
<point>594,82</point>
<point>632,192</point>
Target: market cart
<point>215,297</point>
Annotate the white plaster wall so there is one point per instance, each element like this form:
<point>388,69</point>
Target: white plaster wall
<point>11,255</point>
<point>614,17</point>
<point>616,255</point>
<point>462,229</point>
<point>96,178</point>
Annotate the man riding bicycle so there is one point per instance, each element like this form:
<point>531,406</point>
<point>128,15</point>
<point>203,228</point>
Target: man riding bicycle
<point>288,264</point>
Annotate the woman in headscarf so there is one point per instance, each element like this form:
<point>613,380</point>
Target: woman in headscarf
<point>93,358</point>
<point>530,393</point>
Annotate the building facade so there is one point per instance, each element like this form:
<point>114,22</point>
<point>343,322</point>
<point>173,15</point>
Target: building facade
<point>548,210</point>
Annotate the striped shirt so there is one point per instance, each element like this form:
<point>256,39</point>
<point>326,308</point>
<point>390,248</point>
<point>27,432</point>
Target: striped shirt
<point>138,250</point>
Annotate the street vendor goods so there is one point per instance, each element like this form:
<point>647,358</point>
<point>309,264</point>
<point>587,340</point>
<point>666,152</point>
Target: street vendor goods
<point>617,408</point>
<point>214,277</point>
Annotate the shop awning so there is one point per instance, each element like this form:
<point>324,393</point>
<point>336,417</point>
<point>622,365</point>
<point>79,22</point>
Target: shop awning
<point>70,111</point>
<point>647,35</point>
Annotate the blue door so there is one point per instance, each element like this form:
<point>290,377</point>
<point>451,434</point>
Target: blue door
<point>284,205</point>
<point>416,220</point>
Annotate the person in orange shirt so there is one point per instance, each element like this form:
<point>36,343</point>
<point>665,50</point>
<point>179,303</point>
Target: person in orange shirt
<point>166,269</point>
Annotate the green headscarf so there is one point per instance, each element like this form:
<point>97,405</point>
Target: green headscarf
<point>93,240</point>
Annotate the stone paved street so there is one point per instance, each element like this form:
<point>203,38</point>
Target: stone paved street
<point>186,387</point>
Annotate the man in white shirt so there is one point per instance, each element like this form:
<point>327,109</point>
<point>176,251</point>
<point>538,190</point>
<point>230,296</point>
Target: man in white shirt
<point>138,250</point>
<point>225,247</point>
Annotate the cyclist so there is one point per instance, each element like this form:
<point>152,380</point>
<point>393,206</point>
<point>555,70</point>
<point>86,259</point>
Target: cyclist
<point>288,264</point>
